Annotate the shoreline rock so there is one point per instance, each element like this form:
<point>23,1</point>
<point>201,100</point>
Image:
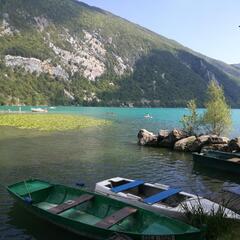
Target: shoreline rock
<point>234,145</point>
<point>169,140</point>
<point>146,138</point>
<point>180,141</point>
<point>184,144</point>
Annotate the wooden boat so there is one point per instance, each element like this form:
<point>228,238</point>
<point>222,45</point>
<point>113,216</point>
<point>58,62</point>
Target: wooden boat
<point>95,216</point>
<point>221,160</point>
<point>158,197</point>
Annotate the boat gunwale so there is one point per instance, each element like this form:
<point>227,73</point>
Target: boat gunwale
<point>215,158</point>
<point>154,185</point>
<point>101,188</point>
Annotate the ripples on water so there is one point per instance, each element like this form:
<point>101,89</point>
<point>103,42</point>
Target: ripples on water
<point>91,155</point>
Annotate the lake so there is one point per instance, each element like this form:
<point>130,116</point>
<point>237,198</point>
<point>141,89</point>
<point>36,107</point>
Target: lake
<point>93,154</point>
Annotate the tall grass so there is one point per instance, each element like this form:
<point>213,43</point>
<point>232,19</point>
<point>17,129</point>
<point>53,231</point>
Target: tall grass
<point>214,223</point>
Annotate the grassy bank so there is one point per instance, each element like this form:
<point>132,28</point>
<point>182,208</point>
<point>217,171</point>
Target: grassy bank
<point>216,225</point>
<point>49,122</point>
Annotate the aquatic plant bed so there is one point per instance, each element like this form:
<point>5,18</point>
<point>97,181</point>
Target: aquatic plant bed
<point>50,122</point>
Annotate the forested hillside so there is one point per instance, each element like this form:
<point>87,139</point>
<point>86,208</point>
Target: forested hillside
<point>65,52</point>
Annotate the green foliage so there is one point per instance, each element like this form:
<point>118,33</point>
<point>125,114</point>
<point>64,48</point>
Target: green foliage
<point>49,122</point>
<point>202,67</point>
<point>29,44</point>
<point>162,79</point>
<point>217,118</point>
<point>17,86</point>
<point>217,226</point>
<point>191,122</point>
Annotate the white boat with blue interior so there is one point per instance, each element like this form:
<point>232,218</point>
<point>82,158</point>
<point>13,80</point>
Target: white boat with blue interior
<point>158,197</point>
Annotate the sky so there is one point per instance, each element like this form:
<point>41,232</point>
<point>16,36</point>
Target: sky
<point>210,27</point>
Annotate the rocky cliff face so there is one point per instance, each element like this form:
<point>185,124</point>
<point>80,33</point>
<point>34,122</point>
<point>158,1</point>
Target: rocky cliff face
<point>66,52</point>
<point>32,65</point>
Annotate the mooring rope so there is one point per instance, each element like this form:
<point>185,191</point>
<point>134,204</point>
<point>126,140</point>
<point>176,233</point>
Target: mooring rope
<point>27,189</point>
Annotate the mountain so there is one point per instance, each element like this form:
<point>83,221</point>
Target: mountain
<point>66,52</point>
<point>236,65</point>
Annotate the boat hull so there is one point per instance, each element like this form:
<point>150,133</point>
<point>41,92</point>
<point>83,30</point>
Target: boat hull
<point>214,162</point>
<point>93,232</point>
<point>80,230</point>
<point>191,202</point>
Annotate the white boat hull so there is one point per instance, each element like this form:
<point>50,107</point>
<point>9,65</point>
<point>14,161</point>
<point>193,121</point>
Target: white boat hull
<point>39,110</point>
<point>193,201</point>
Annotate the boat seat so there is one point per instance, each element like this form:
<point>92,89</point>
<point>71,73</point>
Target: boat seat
<point>115,217</point>
<point>161,196</point>
<point>127,186</point>
<point>70,204</point>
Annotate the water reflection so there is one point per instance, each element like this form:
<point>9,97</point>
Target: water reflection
<point>34,227</point>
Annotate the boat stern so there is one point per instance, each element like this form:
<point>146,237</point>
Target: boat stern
<point>106,185</point>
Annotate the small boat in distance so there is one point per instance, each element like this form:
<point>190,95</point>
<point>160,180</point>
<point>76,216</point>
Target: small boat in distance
<point>221,160</point>
<point>158,197</point>
<point>147,116</point>
<point>40,110</point>
<point>95,216</point>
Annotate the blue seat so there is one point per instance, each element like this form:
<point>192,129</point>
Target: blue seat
<point>127,186</point>
<point>162,195</point>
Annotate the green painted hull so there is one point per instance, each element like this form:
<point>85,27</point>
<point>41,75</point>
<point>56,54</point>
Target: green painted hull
<point>218,160</point>
<point>81,219</point>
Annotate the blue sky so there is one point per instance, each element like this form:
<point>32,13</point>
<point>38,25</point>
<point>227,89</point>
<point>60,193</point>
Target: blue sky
<point>207,26</point>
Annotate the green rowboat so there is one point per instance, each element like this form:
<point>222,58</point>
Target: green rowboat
<point>97,217</point>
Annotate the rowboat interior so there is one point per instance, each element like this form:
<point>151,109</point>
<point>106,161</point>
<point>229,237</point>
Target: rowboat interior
<point>144,191</point>
<point>92,209</point>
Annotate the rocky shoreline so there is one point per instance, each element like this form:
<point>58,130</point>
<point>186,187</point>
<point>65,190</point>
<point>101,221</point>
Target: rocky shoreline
<point>179,140</point>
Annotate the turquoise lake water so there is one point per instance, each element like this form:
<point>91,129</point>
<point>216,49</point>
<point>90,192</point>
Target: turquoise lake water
<point>93,154</point>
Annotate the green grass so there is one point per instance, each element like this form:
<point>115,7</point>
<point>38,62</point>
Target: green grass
<point>234,234</point>
<point>50,122</point>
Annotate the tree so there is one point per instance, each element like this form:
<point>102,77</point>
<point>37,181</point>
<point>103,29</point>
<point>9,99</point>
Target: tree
<point>217,118</point>
<point>191,122</point>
